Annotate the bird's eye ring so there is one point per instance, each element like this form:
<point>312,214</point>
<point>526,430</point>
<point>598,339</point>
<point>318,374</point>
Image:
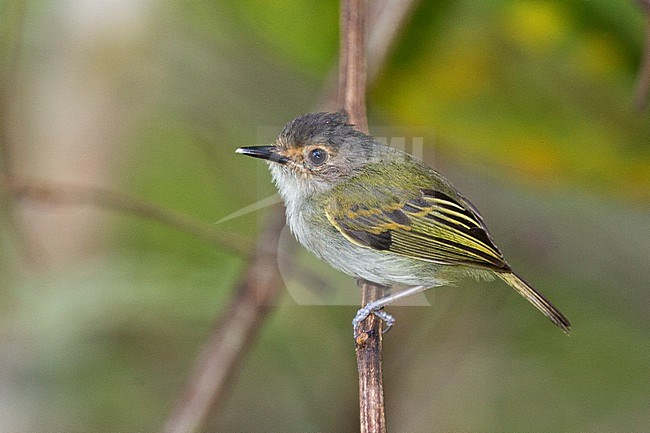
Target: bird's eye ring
<point>317,156</point>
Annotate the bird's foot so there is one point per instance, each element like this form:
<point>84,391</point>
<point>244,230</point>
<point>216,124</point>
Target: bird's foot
<point>372,308</point>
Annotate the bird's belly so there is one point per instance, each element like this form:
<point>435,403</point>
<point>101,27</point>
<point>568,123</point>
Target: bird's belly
<point>377,266</point>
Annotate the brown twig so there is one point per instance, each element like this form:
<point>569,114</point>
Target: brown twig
<point>386,19</point>
<point>352,82</point>
<point>642,91</point>
<point>352,72</point>
<point>368,345</point>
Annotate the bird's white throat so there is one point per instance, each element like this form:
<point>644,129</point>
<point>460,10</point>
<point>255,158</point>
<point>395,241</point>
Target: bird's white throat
<point>293,187</point>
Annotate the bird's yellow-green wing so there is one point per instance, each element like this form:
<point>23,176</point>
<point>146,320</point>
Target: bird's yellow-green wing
<point>433,223</point>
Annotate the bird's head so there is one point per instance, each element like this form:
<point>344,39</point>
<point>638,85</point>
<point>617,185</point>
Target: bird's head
<point>314,152</point>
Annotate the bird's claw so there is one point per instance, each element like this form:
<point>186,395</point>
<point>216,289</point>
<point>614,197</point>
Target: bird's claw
<point>367,310</point>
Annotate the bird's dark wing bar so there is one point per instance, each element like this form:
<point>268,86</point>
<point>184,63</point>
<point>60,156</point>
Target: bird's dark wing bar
<point>369,227</point>
<point>432,226</point>
<point>446,229</point>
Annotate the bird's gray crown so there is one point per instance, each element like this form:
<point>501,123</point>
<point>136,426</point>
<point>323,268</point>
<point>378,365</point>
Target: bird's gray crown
<point>330,129</point>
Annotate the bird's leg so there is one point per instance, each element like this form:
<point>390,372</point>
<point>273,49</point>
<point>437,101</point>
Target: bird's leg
<point>375,307</point>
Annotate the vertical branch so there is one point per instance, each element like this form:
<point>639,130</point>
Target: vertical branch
<point>369,365</point>
<point>352,72</point>
<point>352,93</point>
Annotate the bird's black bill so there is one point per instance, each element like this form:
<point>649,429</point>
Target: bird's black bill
<point>263,152</point>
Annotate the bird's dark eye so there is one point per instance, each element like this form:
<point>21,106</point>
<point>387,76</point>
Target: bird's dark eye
<point>317,156</point>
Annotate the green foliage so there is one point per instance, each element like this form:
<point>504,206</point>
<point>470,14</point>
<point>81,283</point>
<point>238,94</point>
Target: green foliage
<point>535,88</point>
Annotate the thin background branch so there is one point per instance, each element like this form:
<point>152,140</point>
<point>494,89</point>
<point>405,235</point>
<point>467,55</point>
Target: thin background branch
<point>386,19</point>
<point>68,194</point>
<point>232,335</point>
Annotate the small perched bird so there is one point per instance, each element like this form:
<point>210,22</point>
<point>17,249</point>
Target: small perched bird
<point>377,213</point>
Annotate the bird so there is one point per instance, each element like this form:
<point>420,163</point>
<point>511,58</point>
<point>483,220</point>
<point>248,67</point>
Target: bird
<point>377,213</point>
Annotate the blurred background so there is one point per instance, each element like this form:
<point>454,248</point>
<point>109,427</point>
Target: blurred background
<point>526,106</point>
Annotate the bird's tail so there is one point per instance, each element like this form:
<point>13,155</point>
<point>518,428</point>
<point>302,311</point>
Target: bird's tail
<point>537,299</point>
